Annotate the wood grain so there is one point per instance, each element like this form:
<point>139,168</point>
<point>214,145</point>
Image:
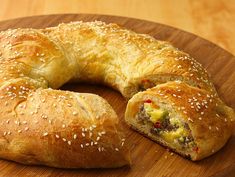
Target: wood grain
<point>211,19</point>
<point>149,158</point>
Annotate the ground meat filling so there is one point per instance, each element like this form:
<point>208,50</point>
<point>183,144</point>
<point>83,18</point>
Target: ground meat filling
<point>142,115</point>
<point>164,126</point>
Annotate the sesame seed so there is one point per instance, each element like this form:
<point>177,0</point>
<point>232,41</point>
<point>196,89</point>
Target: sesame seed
<point>75,113</point>
<point>75,136</point>
<point>90,134</point>
<point>189,119</point>
<point>64,139</point>
<point>57,136</point>
<point>116,149</point>
<point>45,134</point>
<point>98,138</point>
<point>81,145</point>
<point>69,142</point>
<point>217,128</point>
<point>26,128</point>
<point>200,118</point>
<point>122,143</point>
<point>83,134</point>
<point>209,127</point>
<point>63,126</point>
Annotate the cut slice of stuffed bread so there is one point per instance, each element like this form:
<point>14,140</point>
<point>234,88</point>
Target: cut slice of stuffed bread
<point>186,119</point>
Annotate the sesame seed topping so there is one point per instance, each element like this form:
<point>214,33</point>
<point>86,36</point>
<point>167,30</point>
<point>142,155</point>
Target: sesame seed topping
<point>81,145</point>
<point>44,116</point>
<point>75,136</point>
<point>26,128</point>
<point>69,143</point>
<point>64,139</point>
<point>116,149</point>
<point>83,134</point>
<point>189,119</point>
<point>45,134</point>
<point>90,134</point>
<point>57,136</point>
<point>75,113</point>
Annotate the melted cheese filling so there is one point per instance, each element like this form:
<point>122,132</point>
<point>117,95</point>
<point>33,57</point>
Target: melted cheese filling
<point>177,134</point>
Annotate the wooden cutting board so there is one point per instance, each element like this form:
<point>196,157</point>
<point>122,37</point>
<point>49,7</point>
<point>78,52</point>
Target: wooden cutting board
<point>149,158</point>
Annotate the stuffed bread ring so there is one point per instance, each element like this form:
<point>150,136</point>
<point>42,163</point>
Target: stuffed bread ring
<point>33,60</point>
<point>186,119</point>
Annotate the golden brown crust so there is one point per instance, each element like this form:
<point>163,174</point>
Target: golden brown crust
<point>209,119</point>
<point>59,129</point>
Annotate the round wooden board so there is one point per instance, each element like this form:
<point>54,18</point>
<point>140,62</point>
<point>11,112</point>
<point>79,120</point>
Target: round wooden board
<point>149,158</point>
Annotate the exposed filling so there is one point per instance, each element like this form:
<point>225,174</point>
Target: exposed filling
<point>171,129</point>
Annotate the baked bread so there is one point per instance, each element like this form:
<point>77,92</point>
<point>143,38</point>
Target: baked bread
<point>59,128</point>
<point>51,127</point>
<point>186,119</point>
<point>33,60</point>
